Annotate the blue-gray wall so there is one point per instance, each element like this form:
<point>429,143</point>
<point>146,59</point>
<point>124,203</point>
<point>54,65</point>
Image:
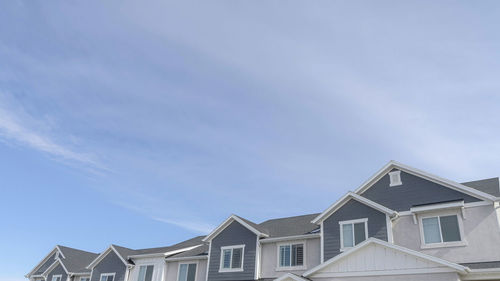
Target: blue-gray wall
<point>110,264</point>
<point>377,225</point>
<point>234,234</point>
<point>413,191</point>
<point>56,271</point>
<point>46,265</point>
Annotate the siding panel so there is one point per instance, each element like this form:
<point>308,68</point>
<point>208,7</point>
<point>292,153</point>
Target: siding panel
<point>46,265</point>
<point>56,271</point>
<point>110,264</point>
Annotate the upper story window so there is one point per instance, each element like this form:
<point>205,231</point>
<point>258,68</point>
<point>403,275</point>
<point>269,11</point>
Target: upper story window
<point>444,230</point>
<point>291,255</point>
<point>395,178</point>
<point>352,233</point>
<point>187,272</point>
<point>146,273</point>
<point>232,258</point>
<point>107,277</point>
<point>84,278</point>
<point>56,277</point>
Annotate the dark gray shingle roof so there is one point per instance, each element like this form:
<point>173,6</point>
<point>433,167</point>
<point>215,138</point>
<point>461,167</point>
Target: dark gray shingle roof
<point>490,186</point>
<point>289,226</point>
<point>76,260</point>
<point>482,265</point>
<point>196,252</point>
<point>184,244</point>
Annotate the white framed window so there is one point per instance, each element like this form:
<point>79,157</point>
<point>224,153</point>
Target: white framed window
<point>395,178</point>
<point>56,277</point>
<point>84,278</point>
<point>187,272</point>
<point>107,277</point>
<point>291,255</point>
<point>231,258</point>
<point>444,230</point>
<point>145,273</point>
<point>352,233</point>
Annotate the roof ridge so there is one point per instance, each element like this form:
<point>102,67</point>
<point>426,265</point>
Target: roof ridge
<point>61,246</point>
<point>290,217</point>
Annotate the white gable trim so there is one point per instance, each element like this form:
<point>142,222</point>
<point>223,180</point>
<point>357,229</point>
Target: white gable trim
<point>226,223</point>
<point>52,266</point>
<point>169,253</point>
<point>456,267</point>
<point>103,255</point>
<point>45,259</point>
<point>344,199</point>
<point>290,276</point>
<point>433,178</point>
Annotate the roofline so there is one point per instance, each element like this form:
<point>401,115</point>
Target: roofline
<point>287,238</point>
<point>43,261</point>
<point>52,266</point>
<point>414,171</point>
<point>460,268</point>
<point>164,253</point>
<point>104,254</point>
<point>226,223</point>
<point>292,276</point>
<point>344,199</point>
<point>186,258</point>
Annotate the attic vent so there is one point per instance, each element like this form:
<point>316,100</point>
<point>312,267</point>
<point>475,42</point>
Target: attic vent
<point>395,178</point>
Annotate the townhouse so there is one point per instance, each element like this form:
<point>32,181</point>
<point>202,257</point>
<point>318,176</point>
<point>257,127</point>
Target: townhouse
<point>402,223</point>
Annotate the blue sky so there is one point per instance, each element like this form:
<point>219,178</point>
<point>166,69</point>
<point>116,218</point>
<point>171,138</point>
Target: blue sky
<point>143,123</point>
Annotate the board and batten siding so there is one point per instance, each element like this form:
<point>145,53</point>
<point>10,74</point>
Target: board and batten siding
<point>234,234</point>
<point>352,210</point>
<point>58,270</point>
<point>414,191</point>
<point>158,264</point>
<point>111,263</point>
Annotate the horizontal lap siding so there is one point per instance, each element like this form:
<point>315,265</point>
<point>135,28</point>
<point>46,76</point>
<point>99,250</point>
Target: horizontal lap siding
<point>413,191</point>
<point>377,225</point>
<point>110,264</point>
<point>58,270</point>
<point>46,264</point>
<point>234,234</point>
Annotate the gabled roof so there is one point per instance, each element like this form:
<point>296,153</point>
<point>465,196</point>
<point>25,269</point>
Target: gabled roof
<point>253,227</point>
<point>169,250</point>
<point>490,186</point>
<point>373,241</point>
<point>44,260</point>
<point>289,226</point>
<point>54,265</point>
<point>344,199</point>
<point>439,180</point>
<point>121,252</point>
<point>291,276</point>
<point>195,253</point>
<point>76,261</point>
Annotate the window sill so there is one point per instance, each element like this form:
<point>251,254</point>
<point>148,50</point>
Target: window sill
<point>230,270</point>
<point>444,245</point>
<point>290,268</point>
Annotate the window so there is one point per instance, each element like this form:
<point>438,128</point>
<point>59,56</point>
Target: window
<point>56,277</point>
<point>291,255</point>
<point>187,272</point>
<point>145,273</point>
<point>441,229</point>
<point>395,178</point>
<point>352,233</point>
<point>107,277</point>
<point>232,258</point>
<point>84,278</point>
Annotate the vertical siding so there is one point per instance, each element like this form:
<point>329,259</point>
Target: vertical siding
<point>158,268</point>
<point>377,226</point>
<point>58,270</point>
<point>234,234</point>
<point>173,269</point>
<point>413,191</point>
<point>110,264</point>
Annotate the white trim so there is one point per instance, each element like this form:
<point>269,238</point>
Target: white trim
<point>290,238</point>
<point>104,254</point>
<point>416,172</point>
<point>352,222</point>
<point>385,272</point>
<point>390,231</point>
<point>169,253</point>
<point>208,260</point>
<point>146,265</point>
<point>226,223</point>
<point>458,268</point>
<point>107,274</point>
<point>396,174</point>
<point>291,276</point>
<point>483,274</point>
<point>438,206</point>
<point>441,244</point>
<point>257,258</point>
<point>322,245</point>
<point>231,269</point>
<point>56,276</point>
<point>187,263</point>
<point>45,259</point>
<point>344,199</point>
<point>291,268</point>
<point>52,267</point>
<point>81,277</point>
<point>186,258</point>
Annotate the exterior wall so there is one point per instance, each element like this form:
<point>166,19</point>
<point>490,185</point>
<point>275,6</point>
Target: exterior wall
<point>410,277</point>
<point>173,269</point>
<point>269,258</point>
<point>46,264</point>
<point>58,270</point>
<point>377,225</point>
<point>78,278</point>
<point>158,270</point>
<point>413,191</point>
<point>111,263</point>
<point>481,230</point>
<point>234,234</point>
